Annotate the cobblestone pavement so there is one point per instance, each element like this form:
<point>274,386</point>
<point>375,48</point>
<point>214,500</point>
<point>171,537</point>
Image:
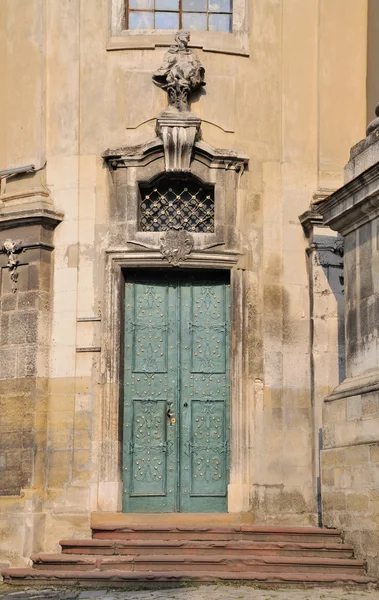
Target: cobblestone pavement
<point>201,592</point>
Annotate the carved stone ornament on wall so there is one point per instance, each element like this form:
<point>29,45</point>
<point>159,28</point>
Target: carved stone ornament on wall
<point>176,246</point>
<point>181,72</point>
<point>12,249</point>
<point>374,125</point>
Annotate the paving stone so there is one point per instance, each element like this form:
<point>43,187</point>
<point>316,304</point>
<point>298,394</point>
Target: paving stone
<point>210,592</point>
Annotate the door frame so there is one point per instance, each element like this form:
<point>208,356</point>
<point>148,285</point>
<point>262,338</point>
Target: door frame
<point>111,389</point>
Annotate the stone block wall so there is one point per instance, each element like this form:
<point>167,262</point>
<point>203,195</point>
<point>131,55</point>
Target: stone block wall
<point>350,458</point>
<point>24,333</point>
<point>350,473</point>
<point>25,305</point>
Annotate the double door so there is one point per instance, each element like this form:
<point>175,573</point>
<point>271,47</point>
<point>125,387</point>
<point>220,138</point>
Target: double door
<point>176,392</point>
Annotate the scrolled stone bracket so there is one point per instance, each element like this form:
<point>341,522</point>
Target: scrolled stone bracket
<point>12,250</point>
<point>178,132</point>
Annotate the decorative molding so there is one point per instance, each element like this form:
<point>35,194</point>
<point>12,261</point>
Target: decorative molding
<point>176,246</point>
<point>112,369</point>
<point>145,154</point>
<point>197,259</point>
<point>220,168</point>
<point>12,250</point>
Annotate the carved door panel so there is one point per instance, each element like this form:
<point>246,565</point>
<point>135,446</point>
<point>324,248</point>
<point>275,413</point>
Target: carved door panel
<point>204,440</point>
<point>176,400</point>
<point>150,383</point>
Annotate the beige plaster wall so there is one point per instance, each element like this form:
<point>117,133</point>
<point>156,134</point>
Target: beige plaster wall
<point>295,105</point>
<point>372,59</point>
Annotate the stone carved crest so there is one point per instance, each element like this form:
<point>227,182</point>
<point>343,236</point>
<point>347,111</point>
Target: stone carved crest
<point>181,72</point>
<point>176,245</point>
<point>12,249</point>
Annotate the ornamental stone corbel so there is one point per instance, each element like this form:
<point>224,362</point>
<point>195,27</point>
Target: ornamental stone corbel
<point>178,133</point>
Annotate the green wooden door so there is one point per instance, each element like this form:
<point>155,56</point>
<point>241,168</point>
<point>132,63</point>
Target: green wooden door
<point>176,400</point>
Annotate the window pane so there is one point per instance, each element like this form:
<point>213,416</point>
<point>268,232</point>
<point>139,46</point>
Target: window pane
<point>142,4</point>
<point>220,5</point>
<point>141,20</point>
<point>220,23</point>
<point>167,4</point>
<point>166,20</point>
<point>195,21</point>
<point>197,5</point>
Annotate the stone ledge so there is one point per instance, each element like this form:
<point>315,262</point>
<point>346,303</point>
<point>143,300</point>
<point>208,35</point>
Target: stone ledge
<point>353,205</point>
<point>356,386</point>
<point>31,216</point>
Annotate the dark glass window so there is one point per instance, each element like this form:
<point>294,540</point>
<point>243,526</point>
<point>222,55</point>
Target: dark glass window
<point>203,15</point>
<point>176,203</point>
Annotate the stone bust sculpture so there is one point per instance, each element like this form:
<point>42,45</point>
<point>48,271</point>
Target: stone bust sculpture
<point>181,72</point>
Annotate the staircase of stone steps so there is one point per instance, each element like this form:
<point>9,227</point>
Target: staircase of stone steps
<point>162,552</point>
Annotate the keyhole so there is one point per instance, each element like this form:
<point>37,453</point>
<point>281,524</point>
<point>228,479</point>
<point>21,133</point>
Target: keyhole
<point>185,404</point>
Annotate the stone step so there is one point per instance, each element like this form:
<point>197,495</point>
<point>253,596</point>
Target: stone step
<point>222,532</point>
<point>27,576</point>
<point>236,548</point>
<point>189,563</point>
<point>104,520</point>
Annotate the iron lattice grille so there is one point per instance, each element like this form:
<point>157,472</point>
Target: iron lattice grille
<point>177,204</point>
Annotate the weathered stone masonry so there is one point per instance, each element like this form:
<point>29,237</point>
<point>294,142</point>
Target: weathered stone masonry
<point>26,295</point>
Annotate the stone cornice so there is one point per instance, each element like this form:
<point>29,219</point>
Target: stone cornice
<point>142,155</point>
<point>312,218</point>
<point>12,219</point>
<point>309,219</point>
<point>355,386</point>
<point>354,204</point>
<point>197,258</point>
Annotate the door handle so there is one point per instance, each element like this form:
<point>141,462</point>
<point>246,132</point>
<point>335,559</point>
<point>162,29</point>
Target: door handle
<point>169,413</point>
